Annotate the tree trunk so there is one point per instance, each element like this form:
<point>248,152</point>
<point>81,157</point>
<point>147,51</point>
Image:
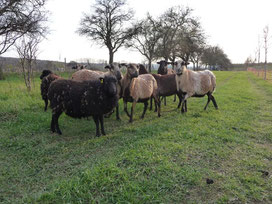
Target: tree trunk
<point>149,65</point>
<point>110,56</point>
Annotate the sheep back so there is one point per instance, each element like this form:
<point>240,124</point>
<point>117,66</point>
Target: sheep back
<point>81,99</point>
<point>85,74</point>
<point>143,87</point>
<point>166,84</point>
<point>170,71</point>
<point>196,83</point>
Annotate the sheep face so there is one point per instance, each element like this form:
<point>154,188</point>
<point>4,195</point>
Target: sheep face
<point>45,73</point>
<point>132,70</point>
<point>180,66</point>
<point>163,67</point>
<point>109,85</point>
<point>115,70</point>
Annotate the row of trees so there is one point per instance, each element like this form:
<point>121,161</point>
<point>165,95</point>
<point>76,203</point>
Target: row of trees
<point>175,34</point>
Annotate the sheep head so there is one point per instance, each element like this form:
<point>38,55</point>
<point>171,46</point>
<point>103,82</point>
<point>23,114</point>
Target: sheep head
<point>45,73</point>
<point>163,67</point>
<point>180,67</point>
<point>132,69</point>
<point>109,84</point>
<point>114,69</point>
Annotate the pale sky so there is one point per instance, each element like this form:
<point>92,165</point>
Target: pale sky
<point>234,25</point>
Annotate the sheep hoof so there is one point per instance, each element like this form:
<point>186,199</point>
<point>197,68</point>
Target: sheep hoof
<point>130,120</point>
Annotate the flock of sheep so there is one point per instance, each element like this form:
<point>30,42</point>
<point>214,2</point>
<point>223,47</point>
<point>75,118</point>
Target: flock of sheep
<point>96,93</point>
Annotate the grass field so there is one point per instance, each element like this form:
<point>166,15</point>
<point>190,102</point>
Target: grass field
<point>154,160</point>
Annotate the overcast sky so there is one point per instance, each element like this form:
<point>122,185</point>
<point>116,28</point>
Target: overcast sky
<point>234,25</point>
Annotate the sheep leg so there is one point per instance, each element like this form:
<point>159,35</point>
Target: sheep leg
<point>159,107</point>
<point>156,106</point>
<point>151,99</point>
<point>175,98</point>
<point>101,120</point>
<point>125,109</point>
<point>214,102</point>
<point>180,99</point>
<point>95,117</point>
<point>145,107</point>
<point>46,104</point>
<point>132,108</point>
<point>184,103</point>
<point>165,100</point>
<point>55,122</point>
<point>209,99</point>
<point>117,112</point>
<point>53,129</point>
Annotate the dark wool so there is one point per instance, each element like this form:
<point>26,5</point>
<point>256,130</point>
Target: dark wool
<point>45,73</point>
<point>142,69</point>
<point>46,81</point>
<point>167,85</point>
<point>83,99</point>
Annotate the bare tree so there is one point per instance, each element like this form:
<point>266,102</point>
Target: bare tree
<point>266,45</point>
<point>191,42</point>
<point>173,20</point>
<point>145,41</point>
<point>28,50</point>
<point>20,17</point>
<point>259,50</point>
<point>107,24</point>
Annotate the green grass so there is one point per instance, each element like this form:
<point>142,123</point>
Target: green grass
<point>154,160</point>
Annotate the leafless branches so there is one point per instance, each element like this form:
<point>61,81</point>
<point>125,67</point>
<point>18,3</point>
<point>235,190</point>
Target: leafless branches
<point>107,24</point>
<point>20,17</point>
<point>27,50</point>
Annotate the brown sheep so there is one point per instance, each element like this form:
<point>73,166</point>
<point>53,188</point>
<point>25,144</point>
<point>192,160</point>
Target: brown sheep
<point>167,86</point>
<point>138,88</point>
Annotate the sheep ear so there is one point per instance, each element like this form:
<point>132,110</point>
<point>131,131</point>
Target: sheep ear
<point>158,62</point>
<point>124,64</point>
<point>187,63</point>
<point>101,80</point>
<point>107,67</point>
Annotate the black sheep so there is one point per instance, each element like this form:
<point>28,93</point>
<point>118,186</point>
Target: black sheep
<point>83,99</point>
<point>45,73</point>
<point>142,69</point>
<point>47,78</point>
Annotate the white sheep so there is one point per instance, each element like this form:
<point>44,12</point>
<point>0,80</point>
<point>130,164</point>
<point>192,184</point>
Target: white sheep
<point>194,84</point>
